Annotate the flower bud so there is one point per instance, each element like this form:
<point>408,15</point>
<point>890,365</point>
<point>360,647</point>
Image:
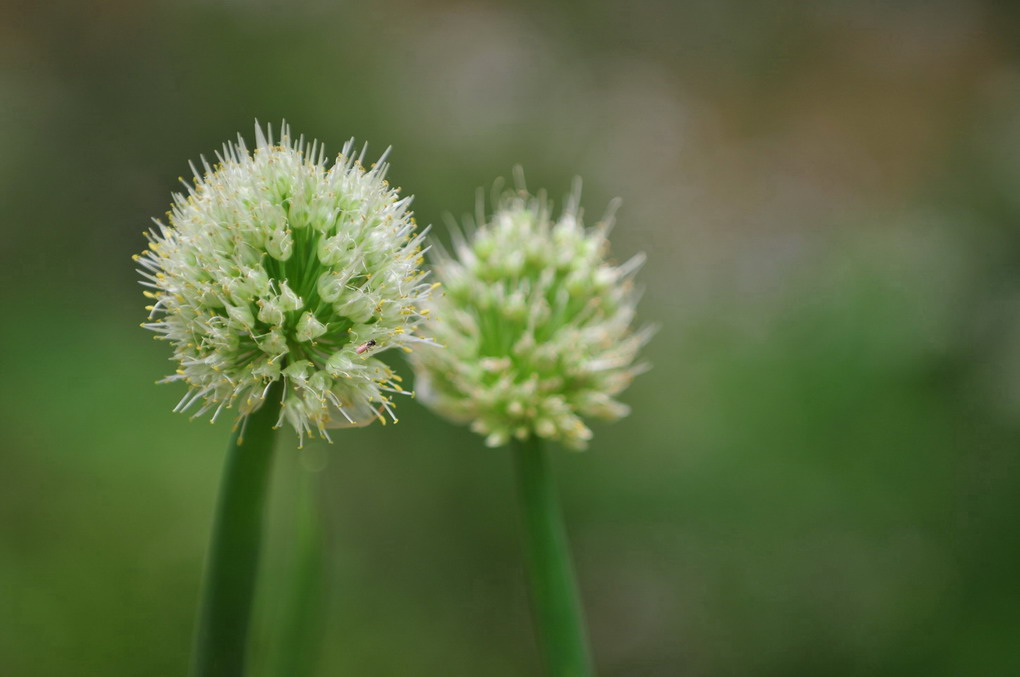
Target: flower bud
<point>308,328</point>
<point>271,312</point>
<point>280,244</point>
<point>288,299</point>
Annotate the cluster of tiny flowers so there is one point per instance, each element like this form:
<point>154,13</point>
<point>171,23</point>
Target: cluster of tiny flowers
<point>536,326</point>
<point>277,266</point>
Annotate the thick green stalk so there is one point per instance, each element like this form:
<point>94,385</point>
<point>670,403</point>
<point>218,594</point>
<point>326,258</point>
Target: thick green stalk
<point>222,639</point>
<point>556,605</point>
<point>304,599</point>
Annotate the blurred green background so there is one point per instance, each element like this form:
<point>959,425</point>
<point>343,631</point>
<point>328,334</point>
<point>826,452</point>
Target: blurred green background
<point>820,475</point>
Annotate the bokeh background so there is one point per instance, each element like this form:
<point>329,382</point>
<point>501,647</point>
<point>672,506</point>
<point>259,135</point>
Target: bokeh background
<point>821,474</point>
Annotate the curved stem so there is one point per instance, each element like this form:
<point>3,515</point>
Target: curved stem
<point>555,601</point>
<point>221,641</point>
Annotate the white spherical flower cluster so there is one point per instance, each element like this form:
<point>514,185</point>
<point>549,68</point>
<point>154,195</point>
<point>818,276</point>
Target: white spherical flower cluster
<point>277,266</point>
<point>535,324</point>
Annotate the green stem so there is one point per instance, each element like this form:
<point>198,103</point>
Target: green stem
<point>556,605</point>
<point>304,604</point>
<point>221,641</point>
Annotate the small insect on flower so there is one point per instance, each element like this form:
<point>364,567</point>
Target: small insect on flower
<point>364,347</point>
